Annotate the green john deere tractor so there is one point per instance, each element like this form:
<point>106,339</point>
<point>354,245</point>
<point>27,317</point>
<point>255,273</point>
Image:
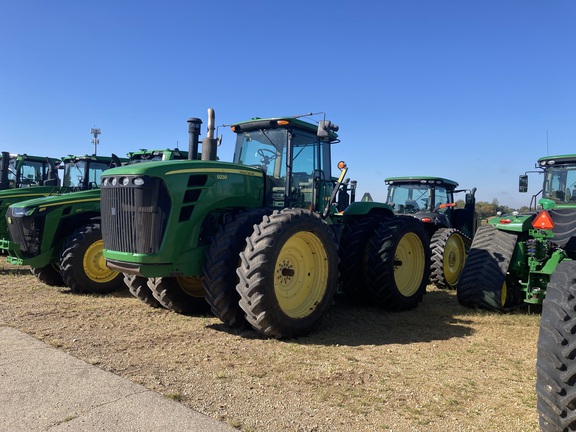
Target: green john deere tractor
<point>257,239</point>
<point>23,171</point>
<point>512,257</point>
<point>80,173</point>
<point>59,236</point>
<point>450,229</point>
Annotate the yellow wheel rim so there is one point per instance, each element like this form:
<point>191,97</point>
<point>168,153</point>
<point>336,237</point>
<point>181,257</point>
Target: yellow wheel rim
<point>409,264</point>
<point>454,257</point>
<point>503,294</point>
<point>95,265</point>
<point>301,275</point>
<point>192,285</point>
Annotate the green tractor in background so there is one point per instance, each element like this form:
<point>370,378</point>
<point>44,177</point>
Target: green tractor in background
<point>23,171</point>
<point>450,229</point>
<point>59,236</point>
<point>79,173</point>
<point>512,257</point>
<point>257,239</point>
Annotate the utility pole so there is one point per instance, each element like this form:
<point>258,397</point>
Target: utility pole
<point>95,140</point>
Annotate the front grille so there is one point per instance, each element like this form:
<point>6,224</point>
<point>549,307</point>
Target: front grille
<point>134,217</point>
<point>27,232</point>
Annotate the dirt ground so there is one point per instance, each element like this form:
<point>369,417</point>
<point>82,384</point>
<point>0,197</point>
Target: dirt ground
<point>440,367</point>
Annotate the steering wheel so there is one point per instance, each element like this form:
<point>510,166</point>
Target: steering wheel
<point>262,153</point>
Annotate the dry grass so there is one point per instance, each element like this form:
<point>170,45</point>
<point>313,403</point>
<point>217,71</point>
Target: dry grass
<point>437,368</point>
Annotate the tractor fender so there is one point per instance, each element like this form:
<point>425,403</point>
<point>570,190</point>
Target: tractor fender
<point>363,208</point>
<point>513,223</point>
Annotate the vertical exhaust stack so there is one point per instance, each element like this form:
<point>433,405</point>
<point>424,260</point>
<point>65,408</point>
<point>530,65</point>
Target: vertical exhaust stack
<point>210,144</point>
<point>4,165</point>
<point>193,137</point>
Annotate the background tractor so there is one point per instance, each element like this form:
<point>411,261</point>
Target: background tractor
<point>22,170</point>
<point>257,238</point>
<point>450,229</point>
<point>59,236</point>
<point>79,173</point>
<point>512,257</point>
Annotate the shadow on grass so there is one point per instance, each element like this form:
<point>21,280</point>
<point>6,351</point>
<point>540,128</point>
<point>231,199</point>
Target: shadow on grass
<point>353,325</point>
<point>15,271</point>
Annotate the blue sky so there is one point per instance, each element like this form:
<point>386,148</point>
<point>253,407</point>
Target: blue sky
<point>475,91</point>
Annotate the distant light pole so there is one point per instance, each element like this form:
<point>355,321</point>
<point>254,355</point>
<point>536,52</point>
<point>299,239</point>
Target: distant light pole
<point>95,140</point>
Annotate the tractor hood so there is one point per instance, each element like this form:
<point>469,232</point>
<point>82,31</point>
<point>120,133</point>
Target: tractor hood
<point>42,204</point>
<point>169,168</point>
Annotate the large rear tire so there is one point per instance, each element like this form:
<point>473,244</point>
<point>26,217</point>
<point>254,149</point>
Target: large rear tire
<point>183,295</point>
<point>398,264</point>
<point>138,287</point>
<point>222,260</point>
<point>556,357</point>
<point>483,280</point>
<point>288,273</point>
<point>353,250</point>
<point>448,255</point>
<point>49,275</point>
<point>82,264</point>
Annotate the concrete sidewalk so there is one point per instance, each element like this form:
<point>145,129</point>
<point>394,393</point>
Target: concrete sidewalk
<point>44,389</point>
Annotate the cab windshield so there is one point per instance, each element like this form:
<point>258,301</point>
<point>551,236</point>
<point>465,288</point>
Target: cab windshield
<point>560,184</point>
<point>409,198</point>
<point>267,149</point>
<point>83,174</point>
<point>412,198</point>
<point>31,174</point>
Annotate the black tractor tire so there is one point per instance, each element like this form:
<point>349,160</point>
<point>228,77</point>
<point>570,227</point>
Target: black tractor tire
<point>398,266</point>
<point>138,287</point>
<point>288,273</point>
<point>448,248</point>
<point>556,356</point>
<point>352,251</point>
<point>49,275</point>
<point>222,260</point>
<point>483,281</point>
<point>183,295</point>
<point>82,264</point>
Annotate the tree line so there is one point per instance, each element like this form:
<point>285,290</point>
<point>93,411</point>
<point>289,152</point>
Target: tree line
<point>486,209</point>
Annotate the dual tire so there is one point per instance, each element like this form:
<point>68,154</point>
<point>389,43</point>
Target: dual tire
<point>385,261</point>
<point>278,272</point>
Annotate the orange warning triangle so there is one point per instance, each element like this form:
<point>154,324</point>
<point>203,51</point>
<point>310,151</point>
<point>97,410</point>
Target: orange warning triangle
<point>543,221</point>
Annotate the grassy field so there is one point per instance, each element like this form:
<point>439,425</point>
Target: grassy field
<point>440,367</point>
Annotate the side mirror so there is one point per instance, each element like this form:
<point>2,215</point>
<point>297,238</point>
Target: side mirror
<point>325,127</point>
<point>523,183</point>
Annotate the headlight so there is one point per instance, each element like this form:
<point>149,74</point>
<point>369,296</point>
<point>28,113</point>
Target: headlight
<point>138,181</point>
<point>124,181</point>
<point>22,211</point>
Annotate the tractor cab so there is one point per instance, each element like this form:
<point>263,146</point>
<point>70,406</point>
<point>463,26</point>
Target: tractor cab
<point>83,172</point>
<point>431,200</point>
<point>21,170</point>
<point>294,156</point>
<point>559,186</point>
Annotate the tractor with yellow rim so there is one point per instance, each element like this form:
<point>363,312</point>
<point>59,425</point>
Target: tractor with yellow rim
<point>260,240</point>
<point>450,228</point>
